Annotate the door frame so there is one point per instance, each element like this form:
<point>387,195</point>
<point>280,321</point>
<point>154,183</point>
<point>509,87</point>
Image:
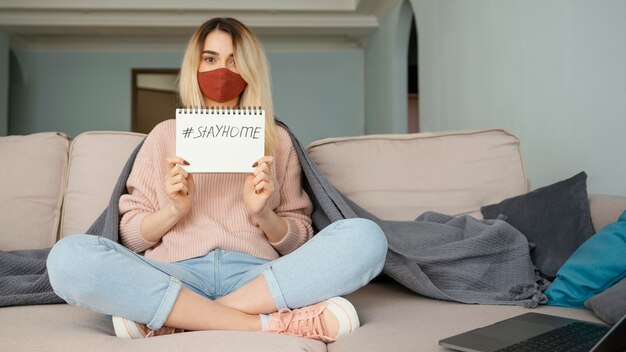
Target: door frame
<point>137,71</point>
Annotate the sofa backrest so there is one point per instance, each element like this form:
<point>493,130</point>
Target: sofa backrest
<point>96,160</point>
<point>53,186</point>
<point>400,176</point>
<point>394,176</point>
<point>32,176</point>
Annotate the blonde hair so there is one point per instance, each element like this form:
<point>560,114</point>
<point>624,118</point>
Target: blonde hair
<point>251,63</point>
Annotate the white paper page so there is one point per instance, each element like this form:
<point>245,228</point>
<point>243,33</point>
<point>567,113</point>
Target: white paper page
<point>221,141</point>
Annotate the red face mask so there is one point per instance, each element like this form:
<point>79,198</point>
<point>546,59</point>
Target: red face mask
<point>221,85</point>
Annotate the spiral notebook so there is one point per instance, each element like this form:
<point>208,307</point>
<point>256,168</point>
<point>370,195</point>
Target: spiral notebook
<point>220,140</point>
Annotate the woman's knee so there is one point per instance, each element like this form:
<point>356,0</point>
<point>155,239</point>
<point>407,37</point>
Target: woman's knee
<point>66,255</point>
<point>368,238</point>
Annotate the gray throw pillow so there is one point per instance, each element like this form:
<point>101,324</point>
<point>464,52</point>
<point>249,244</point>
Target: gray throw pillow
<point>609,305</point>
<point>555,218</point>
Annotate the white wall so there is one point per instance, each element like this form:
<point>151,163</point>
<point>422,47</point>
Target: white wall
<point>552,72</point>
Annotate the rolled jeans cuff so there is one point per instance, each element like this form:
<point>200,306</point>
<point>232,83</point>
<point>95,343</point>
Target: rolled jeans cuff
<point>167,303</point>
<point>275,291</point>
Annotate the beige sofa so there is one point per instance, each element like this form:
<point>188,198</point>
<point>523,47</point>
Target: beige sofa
<point>53,187</point>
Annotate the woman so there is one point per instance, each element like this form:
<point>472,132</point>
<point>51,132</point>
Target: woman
<point>222,251</point>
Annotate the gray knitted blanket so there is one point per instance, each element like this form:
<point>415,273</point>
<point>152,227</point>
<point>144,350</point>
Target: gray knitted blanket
<point>458,259</point>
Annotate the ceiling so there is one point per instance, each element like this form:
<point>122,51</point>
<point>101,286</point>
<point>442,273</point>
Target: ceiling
<point>165,22</point>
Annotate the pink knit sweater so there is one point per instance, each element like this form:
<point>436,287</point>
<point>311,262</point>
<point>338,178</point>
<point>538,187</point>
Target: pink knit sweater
<point>218,218</point>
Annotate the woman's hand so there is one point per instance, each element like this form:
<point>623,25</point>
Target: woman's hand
<point>179,186</point>
<point>259,187</point>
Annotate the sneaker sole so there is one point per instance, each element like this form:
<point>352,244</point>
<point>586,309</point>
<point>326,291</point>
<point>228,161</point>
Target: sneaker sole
<point>345,313</point>
<point>125,328</point>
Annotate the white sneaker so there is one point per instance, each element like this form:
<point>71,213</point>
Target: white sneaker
<point>128,329</point>
<point>345,313</point>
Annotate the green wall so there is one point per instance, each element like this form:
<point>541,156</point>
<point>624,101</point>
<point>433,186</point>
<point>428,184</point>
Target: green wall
<point>386,82</point>
<point>551,72</point>
<point>75,92</point>
<point>318,94</point>
<point>4,83</point>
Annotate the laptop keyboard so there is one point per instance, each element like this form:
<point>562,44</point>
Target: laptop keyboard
<point>573,337</point>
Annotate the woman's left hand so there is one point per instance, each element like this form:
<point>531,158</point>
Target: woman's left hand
<point>258,187</point>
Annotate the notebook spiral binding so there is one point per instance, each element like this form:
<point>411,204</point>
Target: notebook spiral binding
<point>241,110</point>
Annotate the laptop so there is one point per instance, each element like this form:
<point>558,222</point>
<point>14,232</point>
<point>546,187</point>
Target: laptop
<point>540,332</point>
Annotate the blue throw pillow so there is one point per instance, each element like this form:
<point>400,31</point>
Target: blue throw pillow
<point>596,265</point>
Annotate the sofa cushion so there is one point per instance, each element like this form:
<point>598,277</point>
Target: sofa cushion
<point>398,177</point>
<point>33,176</point>
<point>392,319</point>
<point>61,328</point>
<point>605,209</point>
<point>96,160</point>
<point>610,304</point>
<point>396,319</point>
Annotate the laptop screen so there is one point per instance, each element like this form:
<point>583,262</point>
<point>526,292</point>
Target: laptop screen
<point>614,340</point>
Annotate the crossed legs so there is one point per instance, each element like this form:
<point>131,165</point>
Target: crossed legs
<point>338,260</point>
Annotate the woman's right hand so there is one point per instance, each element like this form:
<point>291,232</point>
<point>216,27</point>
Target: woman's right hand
<point>179,186</point>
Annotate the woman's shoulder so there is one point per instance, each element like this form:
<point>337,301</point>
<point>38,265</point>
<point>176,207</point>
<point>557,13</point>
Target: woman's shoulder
<point>284,145</point>
<point>161,137</point>
<point>164,132</point>
<point>167,127</point>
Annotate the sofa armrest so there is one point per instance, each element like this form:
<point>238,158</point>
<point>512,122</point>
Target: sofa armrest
<point>605,209</point>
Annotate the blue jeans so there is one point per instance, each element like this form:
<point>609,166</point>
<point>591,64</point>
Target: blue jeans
<point>106,277</point>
